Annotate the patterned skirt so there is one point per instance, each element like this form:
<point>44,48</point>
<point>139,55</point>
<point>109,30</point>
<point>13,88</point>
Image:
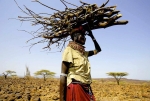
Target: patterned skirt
<point>79,92</point>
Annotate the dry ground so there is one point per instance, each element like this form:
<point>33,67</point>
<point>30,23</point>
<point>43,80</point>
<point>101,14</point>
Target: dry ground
<point>104,90</point>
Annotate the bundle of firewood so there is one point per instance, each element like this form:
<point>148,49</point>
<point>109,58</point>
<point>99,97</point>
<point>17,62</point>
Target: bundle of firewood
<point>58,26</point>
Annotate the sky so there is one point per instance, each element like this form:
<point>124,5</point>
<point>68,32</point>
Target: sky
<point>125,48</point>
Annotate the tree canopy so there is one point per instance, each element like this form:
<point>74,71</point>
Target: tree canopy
<point>10,72</point>
<point>117,75</point>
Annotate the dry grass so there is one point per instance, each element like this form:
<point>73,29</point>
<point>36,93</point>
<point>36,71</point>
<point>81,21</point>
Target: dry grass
<point>126,91</point>
<point>104,90</point>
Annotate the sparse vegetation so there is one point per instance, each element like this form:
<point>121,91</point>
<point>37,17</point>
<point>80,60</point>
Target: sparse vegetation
<point>117,75</point>
<point>36,90</point>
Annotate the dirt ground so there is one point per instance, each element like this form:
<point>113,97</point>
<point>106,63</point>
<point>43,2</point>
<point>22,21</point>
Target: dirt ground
<point>103,89</point>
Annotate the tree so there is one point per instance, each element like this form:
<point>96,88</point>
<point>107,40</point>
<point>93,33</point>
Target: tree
<point>8,72</point>
<point>45,73</point>
<point>117,75</point>
<point>27,73</point>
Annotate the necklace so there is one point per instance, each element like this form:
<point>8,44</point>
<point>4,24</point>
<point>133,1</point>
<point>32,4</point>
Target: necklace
<point>76,46</point>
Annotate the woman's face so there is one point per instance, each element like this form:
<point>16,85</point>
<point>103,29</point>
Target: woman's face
<point>81,39</point>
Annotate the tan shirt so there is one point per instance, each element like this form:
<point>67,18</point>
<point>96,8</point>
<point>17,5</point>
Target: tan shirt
<point>79,68</point>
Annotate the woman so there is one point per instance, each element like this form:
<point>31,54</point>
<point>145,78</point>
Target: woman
<point>75,78</point>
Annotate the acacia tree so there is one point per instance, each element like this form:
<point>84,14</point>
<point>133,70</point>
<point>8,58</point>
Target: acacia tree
<point>117,75</point>
<point>45,73</point>
<point>8,72</point>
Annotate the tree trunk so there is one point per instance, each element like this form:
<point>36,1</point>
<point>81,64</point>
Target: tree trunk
<point>5,76</point>
<point>44,78</point>
<point>117,81</point>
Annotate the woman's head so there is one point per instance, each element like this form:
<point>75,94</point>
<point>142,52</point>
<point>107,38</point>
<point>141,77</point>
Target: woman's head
<point>79,38</point>
<point>78,35</point>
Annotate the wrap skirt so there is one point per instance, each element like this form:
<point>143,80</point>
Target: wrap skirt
<point>79,92</point>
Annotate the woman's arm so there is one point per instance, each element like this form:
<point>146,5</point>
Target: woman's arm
<point>97,47</point>
<point>63,80</point>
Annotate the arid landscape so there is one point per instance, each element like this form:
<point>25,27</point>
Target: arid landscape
<point>20,89</point>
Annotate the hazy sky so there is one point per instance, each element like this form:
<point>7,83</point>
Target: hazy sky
<point>125,48</point>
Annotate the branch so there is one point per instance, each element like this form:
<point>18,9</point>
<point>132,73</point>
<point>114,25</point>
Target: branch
<point>56,28</point>
<point>46,5</point>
